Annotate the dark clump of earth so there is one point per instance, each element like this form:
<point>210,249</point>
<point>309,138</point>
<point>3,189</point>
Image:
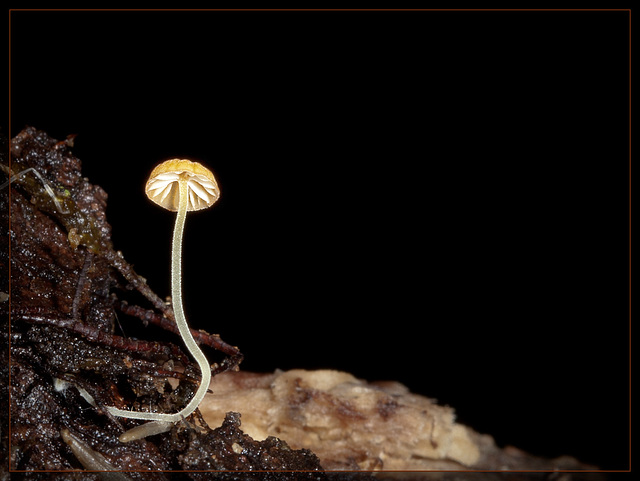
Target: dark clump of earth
<point>67,362</point>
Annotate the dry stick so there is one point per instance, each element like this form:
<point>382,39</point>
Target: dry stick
<point>138,282</point>
<point>201,337</point>
<point>96,335</point>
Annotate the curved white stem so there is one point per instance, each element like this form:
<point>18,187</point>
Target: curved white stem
<point>181,321</point>
<point>176,298</point>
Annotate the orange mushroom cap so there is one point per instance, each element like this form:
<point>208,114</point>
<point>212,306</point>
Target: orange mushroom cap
<point>163,189</point>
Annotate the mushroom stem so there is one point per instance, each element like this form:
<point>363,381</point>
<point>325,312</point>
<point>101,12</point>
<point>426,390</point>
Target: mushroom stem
<point>181,321</point>
<point>176,298</point>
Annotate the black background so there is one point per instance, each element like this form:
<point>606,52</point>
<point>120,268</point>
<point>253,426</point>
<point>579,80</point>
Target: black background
<point>435,197</point>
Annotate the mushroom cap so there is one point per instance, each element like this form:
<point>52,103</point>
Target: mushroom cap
<point>163,188</point>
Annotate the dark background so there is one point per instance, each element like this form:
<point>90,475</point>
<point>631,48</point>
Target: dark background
<point>435,197</point>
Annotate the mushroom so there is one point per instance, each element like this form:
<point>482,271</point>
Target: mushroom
<point>178,185</point>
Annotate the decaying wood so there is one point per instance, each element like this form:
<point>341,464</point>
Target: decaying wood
<point>357,425</point>
<point>67,362</point>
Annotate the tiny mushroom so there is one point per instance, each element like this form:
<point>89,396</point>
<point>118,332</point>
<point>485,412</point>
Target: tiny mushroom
<point>177,185</point>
